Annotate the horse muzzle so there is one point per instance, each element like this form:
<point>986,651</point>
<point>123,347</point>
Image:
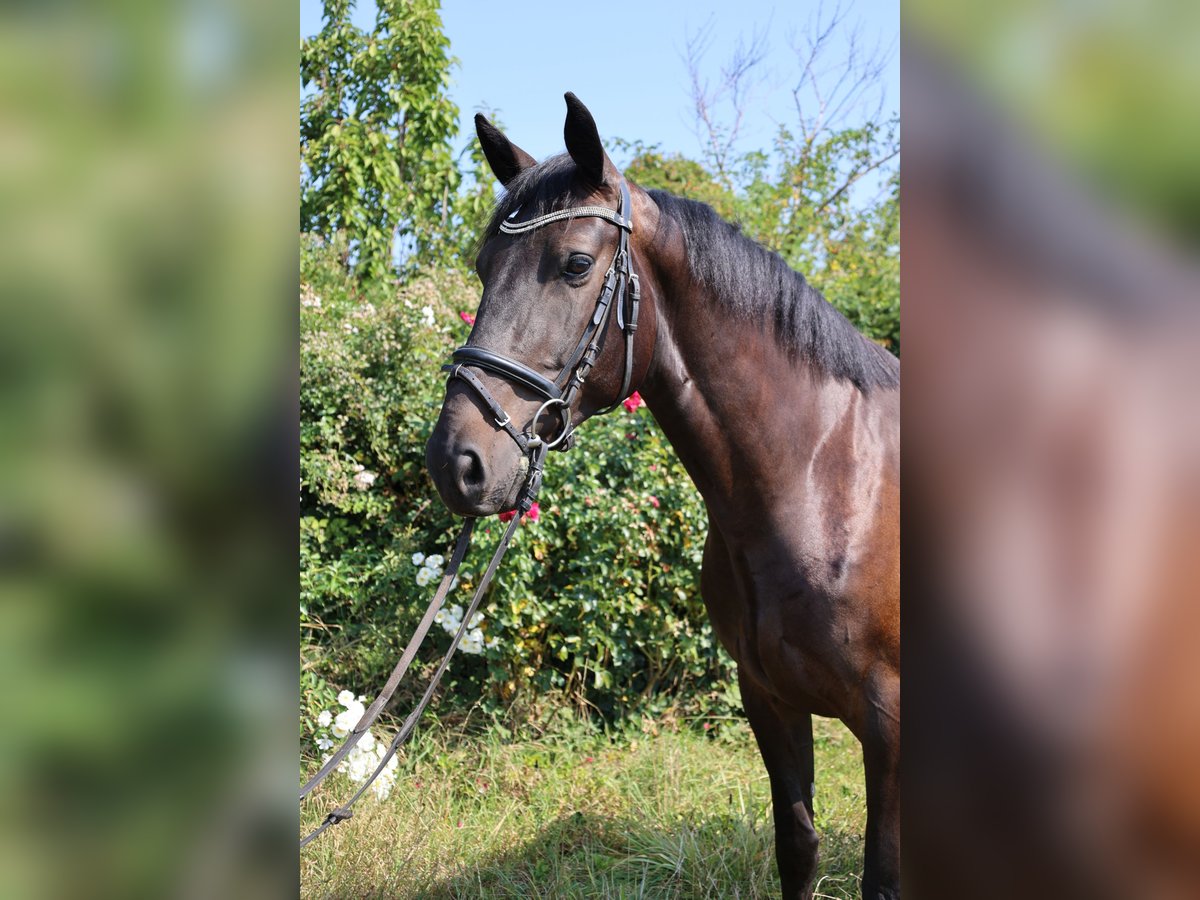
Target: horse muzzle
<point>474,477</point>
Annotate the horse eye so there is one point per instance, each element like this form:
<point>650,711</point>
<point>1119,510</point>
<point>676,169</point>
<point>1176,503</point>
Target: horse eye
<point>578,264</point>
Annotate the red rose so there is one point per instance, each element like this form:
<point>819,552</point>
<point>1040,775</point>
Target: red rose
<point>633,401</point>
<point>467,317</point>
<point>534,512</point>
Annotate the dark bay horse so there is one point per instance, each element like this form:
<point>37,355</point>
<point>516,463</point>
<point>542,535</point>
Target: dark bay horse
<point>786,418</point>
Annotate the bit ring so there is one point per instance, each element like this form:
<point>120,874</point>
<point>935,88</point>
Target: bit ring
<point>550,445</point>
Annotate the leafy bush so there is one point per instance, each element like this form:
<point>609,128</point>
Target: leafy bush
<point>597,602</point>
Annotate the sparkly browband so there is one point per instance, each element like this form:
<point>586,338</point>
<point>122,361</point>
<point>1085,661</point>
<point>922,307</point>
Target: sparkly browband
<point>596,212</point>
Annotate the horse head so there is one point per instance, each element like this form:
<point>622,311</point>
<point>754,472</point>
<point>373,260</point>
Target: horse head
<point>556,338</point>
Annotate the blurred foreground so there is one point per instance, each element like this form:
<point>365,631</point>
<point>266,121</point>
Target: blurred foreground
<point>148,456</point>
<point>1052,608</point>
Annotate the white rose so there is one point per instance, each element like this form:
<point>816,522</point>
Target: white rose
<point>418,558</point>
<point>367,742</point>
<point>347,719</point>
<point>382,787</point>
<point>360,766</point>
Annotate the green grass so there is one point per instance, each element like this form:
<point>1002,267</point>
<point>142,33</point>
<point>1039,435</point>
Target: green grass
<point>677,814</point>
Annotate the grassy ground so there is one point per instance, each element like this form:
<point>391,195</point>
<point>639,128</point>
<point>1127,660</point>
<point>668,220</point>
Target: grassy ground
<point>673,815</point>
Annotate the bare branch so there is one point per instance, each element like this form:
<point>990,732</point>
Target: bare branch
<point>826,96</point>
<point>838,85</point>
<point>738,79</point>
<point>855,175</point>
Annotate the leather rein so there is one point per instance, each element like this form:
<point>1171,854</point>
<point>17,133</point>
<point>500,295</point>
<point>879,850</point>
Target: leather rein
<point>621,284</point>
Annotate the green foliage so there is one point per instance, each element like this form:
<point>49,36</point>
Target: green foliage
<point>652,170</point>
<point>801,202</point>
<point>375,132</point>
<point>597,602</point>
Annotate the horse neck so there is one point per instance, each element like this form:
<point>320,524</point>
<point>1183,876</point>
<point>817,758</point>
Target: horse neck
<point>742,414</point>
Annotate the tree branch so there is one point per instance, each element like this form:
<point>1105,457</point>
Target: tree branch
<point>855,176</point>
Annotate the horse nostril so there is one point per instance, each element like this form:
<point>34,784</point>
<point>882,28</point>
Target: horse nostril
<point>470,470</point>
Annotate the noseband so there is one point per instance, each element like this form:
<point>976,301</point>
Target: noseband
<point>561,393</point>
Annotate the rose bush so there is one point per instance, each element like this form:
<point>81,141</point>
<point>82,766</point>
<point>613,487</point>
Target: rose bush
<point>597,602</point>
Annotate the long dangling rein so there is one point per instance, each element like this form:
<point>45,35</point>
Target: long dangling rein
<point>621,283</point>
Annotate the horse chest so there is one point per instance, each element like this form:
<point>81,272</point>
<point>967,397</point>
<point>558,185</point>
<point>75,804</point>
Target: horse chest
<point>777,629</point>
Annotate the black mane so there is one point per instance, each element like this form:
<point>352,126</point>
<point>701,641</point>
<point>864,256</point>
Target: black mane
<point>754,283</point>
<point>743,276</point>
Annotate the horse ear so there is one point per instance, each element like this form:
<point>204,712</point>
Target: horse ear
<point>506,158</point>
<point>583,141</point>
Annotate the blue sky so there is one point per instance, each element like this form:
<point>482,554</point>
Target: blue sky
<point>625,60</point>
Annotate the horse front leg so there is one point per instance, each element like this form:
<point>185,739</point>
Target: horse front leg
<point>786,743</point>
<point>881,762</point>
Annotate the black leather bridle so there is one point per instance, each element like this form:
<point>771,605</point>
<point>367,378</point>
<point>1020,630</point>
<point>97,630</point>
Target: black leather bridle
<point>621,284</point>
